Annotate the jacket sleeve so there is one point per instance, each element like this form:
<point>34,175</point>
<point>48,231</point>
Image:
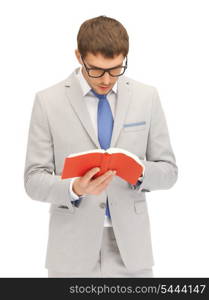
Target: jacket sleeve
<point>40,182</point>
<point>160,165</point>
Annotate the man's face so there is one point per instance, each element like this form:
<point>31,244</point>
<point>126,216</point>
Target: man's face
<point>104,84</point>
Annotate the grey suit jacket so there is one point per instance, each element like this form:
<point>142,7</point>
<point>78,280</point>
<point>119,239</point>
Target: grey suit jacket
<point>60,125</point>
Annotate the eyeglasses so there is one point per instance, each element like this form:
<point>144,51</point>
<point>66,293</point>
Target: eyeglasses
<point>95,72</point>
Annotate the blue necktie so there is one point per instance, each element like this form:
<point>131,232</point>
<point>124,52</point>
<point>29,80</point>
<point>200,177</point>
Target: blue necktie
<point>105,126</point>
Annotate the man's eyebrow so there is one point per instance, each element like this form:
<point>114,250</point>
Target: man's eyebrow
<point>105,68</point>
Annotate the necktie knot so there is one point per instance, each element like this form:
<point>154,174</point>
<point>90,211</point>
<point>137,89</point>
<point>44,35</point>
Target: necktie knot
<point>101,97</point>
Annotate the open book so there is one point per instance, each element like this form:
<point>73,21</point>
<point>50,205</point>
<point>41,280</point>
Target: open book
<point>127,165</point>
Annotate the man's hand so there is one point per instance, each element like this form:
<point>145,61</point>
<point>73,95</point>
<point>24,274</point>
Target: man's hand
<point>87,185</point>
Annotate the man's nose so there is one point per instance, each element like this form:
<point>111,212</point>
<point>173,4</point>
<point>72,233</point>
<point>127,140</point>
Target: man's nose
<point>106,78</point>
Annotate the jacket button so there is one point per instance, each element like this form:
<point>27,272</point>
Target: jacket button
<point>102,205</point>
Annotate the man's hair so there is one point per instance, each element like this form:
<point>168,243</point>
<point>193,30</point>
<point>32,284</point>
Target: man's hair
<point>103,35</point>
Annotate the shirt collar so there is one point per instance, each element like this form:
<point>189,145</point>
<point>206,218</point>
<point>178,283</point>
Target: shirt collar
<point>86,87</point>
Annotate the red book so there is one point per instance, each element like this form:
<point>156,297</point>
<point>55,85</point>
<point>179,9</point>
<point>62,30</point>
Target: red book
<point>127,165</point>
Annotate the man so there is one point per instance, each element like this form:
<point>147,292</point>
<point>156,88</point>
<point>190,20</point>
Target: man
<point>98,227</point>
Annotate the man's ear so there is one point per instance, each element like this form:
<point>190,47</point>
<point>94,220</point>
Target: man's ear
<point>78,56</point>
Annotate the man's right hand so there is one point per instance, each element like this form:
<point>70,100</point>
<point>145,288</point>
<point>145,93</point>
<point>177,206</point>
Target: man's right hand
<point>87,185</point>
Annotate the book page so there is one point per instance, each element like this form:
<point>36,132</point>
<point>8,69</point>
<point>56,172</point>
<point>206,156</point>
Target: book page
<point>119,150</point>
<point>86,152</point>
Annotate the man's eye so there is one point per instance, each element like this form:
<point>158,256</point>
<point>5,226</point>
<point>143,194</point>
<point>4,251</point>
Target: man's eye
<point>97,69</point>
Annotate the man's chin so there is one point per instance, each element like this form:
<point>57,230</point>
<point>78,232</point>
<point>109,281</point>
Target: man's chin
<point>103,90</point>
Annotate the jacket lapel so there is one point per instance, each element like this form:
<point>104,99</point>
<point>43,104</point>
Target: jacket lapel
<point>123,102</point>
<point>78,104</point>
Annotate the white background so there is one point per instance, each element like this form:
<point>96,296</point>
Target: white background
<point>169,49</point>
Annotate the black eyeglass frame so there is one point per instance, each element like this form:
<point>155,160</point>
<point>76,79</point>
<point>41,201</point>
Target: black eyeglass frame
<point>105,70</point>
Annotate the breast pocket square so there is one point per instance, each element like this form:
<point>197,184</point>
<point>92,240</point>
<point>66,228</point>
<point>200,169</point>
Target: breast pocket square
<point>134,126</point>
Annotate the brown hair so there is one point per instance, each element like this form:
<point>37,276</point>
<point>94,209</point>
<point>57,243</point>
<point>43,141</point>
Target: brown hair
<point>103,35</point>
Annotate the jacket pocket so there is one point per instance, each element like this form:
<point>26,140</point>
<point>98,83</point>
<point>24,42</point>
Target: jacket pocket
<point>140,207</point>
<point>62,209</point>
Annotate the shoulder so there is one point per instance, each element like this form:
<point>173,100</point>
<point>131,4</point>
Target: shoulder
<point>135,84</point>
<point>53,94</point>
<point>52,91</point>
<point>140,88</point>
<point>59,87</point>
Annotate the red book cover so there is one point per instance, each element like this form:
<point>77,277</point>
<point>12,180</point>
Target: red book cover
<point>127,165</point>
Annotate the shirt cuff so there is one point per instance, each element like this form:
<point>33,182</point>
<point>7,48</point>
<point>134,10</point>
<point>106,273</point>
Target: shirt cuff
<point>138,184</point>
<point>74,196</point>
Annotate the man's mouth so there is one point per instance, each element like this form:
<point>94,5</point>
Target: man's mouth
<point>104,87</point>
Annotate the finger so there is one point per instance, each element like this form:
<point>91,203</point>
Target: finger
<point>104,184</point>
<point>90,174</point>
<point>101,179</point>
